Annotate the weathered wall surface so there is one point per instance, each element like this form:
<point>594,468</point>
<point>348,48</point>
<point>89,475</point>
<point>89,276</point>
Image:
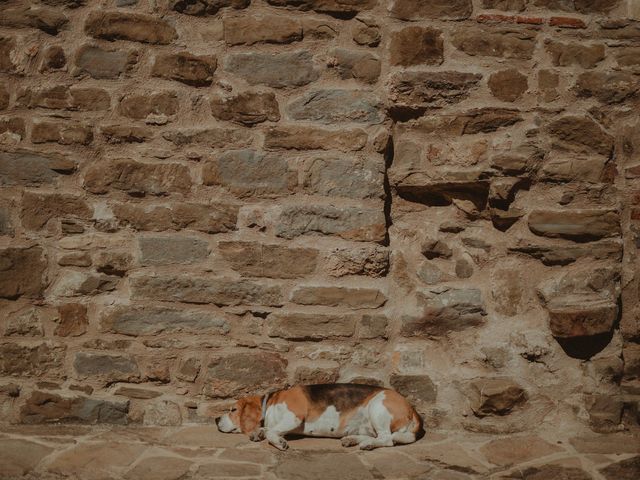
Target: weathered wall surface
<point>206,198</point>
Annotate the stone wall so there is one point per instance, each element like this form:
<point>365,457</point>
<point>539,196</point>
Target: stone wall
<point>202,199</point>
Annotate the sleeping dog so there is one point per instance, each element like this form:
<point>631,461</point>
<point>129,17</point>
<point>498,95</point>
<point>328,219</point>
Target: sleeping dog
<point>362,415</point>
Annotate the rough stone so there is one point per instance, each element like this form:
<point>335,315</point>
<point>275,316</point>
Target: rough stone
<point>137,178</point>
<point>578,225</point>
<point>509,451</point>
<point>312,376</point>
<point>373,326</point>
<point>49,20</point>
<point>416,46</point>
<point>19,457</point>
<point>508,85</point>
<point>45,407</point>
<point>431,9</point>
<point>152,320</point>
<point>26,322</point>
<point>206,7</point>
<point>213,218</point>
<point>100,63</point>
<point>62,97</point>
<point>344,177</point>
<point>272,261</point>
<point>312,138</point>
<point>305,326</point>
<point>338,296</point>
<point>73,283</point>
<point>416,388</point>
<point>496,396</point>
<point>214,137</point>
<point>22,272</point>
<point>338,8</point>
<point>32,169</point>
<point>246,108</point>
<point>359,224</point>
<point>142,106</point>
<point>248,30</point>
<point>361,66</point>
<point>607,87</point>
<point>163,413</point>
<point>250,173</point>
<point>505,43</point>
<point>420,90</point>
<point>171,250</point>
<point>42,360</point>
<point>64,134</point>
<point>136,27</point>
<point>7,46</point>
<point>289,69</point>
<point>242,373</point>
<point>194,70</point>
<point>332,106</point>
<point>366,33</point>
<point>96,460</point>
<point>106,367</point>
<point>581,134</point>
<point>443,312</point>
<point>195,289</point>
<point>54,59</point>
<point>358,260</point>
<point>126,133</point>
<point>623,470</point>
<point>567,54</point>
<point>517,5</point>
<point>73,320</point>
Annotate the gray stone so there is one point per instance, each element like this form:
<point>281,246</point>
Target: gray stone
<point>308,326</point>
<point>362,66</point>
<point>359,224</point>
<point>169,250</point>
<point>447,311</point>
<point>250,173</point>
<point>416,388</point>
<point>45,407</point>
<point>331,106</point>
<point>495,396</point>
<point>32,169</point>
<point>100,63</point>
<point>106,367</point>
<point>199,289</point>
<point>564,255</point>
<point>152,320</point>
<point>344,177</point>
<point>579,225</point>
<point>288,69</point>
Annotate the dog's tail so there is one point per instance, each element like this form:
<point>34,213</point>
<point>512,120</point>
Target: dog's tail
<point>418,425</point>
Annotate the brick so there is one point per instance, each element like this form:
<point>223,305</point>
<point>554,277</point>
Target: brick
<point>41,360</point>
<point>49,20</point>
<point>126,133</point>
<point>39,208</point>
<point>155,320</point>
<point>62,97</point>
<point>338,296</point>
<point>362,66</point>
<point>214,137</point>
<point>312,138</point>
<point>250,173</point>
<point>338,8</point>
<point>287,69</point>
<point>578,225</point>
<point>249,30</point>
<point>23,272</point>
<point>193,70</point>
<point>415,46</point>
<point>567,22</point>
<point>136,27</point>
<point>197,289</point>
<point>607,87</point>
<point>431,9</point>
<point>242,373</point>
<point>246,108</point>
<point>272,261</point>
<point>104,64</point>
<point>206,7</point>
<point>504,43</point>
<point>43,131</point>
<point>144,106</point>
<point>351,223</point>
<point>310,326</point>
<point>420,90</point>
<point>508,85</point>
<point>73,320</point>
<point>344,177</point>
<point>331,106</point>
<point>567,54</point>
<point>213,218</point>
<point>167,250</point>
<point>137,178</point>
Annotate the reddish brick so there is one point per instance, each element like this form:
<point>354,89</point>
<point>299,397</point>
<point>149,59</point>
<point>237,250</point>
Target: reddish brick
<point>567,22</point>
<point>495,18</point>
<point>530,20</point>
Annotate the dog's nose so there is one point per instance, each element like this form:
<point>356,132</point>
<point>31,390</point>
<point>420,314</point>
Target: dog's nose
<point>218,420</point>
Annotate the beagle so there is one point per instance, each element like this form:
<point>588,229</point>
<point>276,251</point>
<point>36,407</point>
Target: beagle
<point>362,415</point>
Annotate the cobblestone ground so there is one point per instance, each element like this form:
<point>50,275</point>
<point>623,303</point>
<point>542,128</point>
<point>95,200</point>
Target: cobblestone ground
<point>201,452</point>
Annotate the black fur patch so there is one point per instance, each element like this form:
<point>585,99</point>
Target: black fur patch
<point>343,396</point>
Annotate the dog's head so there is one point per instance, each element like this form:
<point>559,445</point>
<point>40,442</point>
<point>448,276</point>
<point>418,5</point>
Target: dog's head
<point>244,416</point>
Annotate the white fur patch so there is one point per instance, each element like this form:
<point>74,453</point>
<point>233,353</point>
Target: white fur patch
<point>326,425</point>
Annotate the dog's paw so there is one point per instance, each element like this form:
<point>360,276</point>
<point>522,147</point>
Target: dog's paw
<point>349,441</point>
<point>257,435</point>
<point>281,444</point>
<point>366,445</point>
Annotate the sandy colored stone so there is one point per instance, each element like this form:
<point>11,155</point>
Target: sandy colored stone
<point>96,461</point>
<point>18,457</point>
<point>514,450</point>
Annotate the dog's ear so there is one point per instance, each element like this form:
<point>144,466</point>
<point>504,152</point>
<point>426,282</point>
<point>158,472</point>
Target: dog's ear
<point>250,413</point>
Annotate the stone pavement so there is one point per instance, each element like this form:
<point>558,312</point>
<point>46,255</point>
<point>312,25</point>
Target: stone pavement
<point>55,452</point>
